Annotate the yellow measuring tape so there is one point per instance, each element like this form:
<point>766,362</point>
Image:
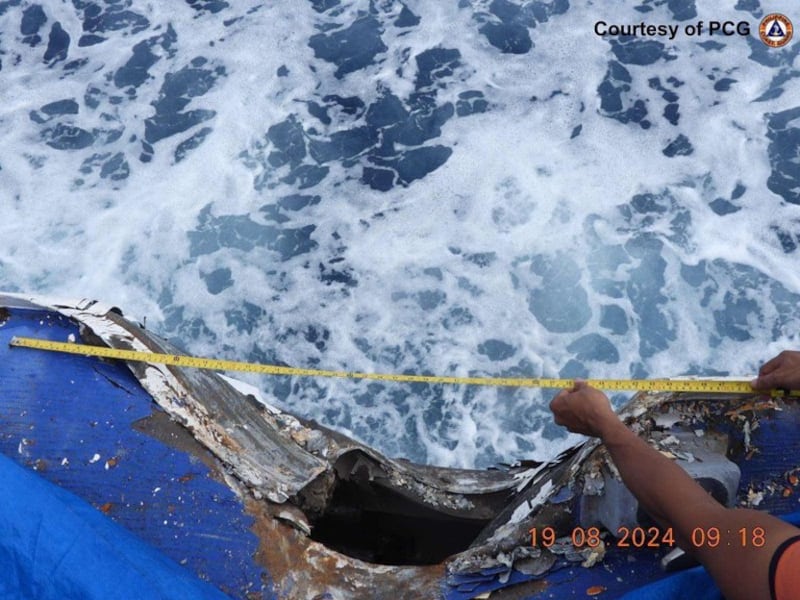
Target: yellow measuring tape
<point>709,386</point>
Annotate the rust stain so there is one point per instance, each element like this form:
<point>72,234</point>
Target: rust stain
<point>105,508</point>
<point>227,442</point>
<point>595,590</point>
<point>297,564</point>
<point>520,591</point>
<point>754,405</point>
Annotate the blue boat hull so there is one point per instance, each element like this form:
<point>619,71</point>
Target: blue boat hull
<point>82,424</point>
<point>116,485</point>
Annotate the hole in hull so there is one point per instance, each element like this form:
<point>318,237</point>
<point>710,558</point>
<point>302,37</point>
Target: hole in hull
<point>379,525</point>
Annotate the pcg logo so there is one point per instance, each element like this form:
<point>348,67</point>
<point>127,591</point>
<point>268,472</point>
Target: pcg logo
<point>775,30</point>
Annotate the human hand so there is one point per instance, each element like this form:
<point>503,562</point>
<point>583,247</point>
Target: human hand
<point>583,409</point>
<point>782,372</point>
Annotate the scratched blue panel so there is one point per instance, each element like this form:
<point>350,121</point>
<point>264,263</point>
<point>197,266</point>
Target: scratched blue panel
<point>70,419</point>
<point>618,573</point>
<point>776,454</point>
<point>776,441</point>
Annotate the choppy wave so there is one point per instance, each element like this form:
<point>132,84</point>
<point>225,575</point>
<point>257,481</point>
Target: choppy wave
<point>455,187</point>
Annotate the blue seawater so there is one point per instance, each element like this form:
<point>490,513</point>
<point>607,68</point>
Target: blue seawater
<point>465,187</point>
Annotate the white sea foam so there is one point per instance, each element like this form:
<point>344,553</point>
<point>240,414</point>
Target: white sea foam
<point>442,266</point>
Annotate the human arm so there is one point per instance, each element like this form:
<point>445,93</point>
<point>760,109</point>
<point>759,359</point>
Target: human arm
<point>674,499</point>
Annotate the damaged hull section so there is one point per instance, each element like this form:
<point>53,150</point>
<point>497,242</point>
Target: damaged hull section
<point>264,504</point>
<point>321,513</point>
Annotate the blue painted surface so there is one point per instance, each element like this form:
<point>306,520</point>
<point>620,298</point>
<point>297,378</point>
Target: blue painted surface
<point>618,573</point>
<point>693,583</point>
<point>636,573</point>
<point>70,419</point>
<point>55,546</point>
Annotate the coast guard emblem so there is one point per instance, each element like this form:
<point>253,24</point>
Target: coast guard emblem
<point>775,30</point>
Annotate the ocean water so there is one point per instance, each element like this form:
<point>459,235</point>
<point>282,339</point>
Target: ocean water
<point>457,187</point>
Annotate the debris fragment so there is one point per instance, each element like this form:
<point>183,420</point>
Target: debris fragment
<point>746,430</point>
<point>295,517</point>
<point>594,556</point>
<point>595,590</point>
<point>21,447</point>
<point>754,498</point>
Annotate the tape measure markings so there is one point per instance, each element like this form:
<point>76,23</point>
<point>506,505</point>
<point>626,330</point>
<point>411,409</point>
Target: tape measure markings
<point>641,385</point>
